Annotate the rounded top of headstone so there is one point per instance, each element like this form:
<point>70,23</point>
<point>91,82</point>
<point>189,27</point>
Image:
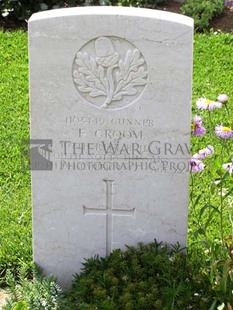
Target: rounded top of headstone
<point>111,11</point>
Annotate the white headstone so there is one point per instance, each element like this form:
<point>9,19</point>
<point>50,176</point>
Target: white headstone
<point>110,92</point>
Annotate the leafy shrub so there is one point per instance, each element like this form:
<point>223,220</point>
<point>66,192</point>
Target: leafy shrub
<point>142,3</point>
<point>151,276</point>
<point>39,293</point>
<point>203,11</point>
<point>23,9</point>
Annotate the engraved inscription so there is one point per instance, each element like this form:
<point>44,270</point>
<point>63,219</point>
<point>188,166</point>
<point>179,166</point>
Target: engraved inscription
<point>109,72</point>
<point>109,212</point>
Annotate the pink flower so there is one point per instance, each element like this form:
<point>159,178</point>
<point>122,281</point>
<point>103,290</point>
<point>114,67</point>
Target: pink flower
<point>228,167</point>
<point>223,98</point>
<point>196,165</point>
<point>198,129</point>
<point>223,132</point>
<point>206,104</point>
<point>207,151</point>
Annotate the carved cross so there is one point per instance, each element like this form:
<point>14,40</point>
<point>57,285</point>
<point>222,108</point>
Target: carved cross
<point>109,211</point>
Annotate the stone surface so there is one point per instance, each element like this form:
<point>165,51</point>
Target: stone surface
<point>110,93</point>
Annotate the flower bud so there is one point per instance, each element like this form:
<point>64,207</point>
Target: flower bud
<point>223,98</point>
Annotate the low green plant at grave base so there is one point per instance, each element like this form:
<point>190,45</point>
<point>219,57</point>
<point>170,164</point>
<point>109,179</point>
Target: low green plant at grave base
<point>152,276</point>
<point>36,294</point>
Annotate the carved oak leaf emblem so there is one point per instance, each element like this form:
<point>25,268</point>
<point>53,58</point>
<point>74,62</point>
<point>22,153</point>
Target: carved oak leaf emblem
<point>107,75</point>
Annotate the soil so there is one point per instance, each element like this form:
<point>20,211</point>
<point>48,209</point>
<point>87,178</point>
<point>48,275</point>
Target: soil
<point>222,23</point>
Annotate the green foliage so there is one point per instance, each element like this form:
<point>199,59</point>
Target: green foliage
<point>151,276</point>
<point>23,9</point>
<point>15,195</point>
<point>203,11</point>
<point>211,191</point>
<point>212,67</point>
<point>142,3</point>
<point>38,293</point>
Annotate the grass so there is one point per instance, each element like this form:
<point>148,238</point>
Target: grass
<point>15,202</point>
<point>213,64</point>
